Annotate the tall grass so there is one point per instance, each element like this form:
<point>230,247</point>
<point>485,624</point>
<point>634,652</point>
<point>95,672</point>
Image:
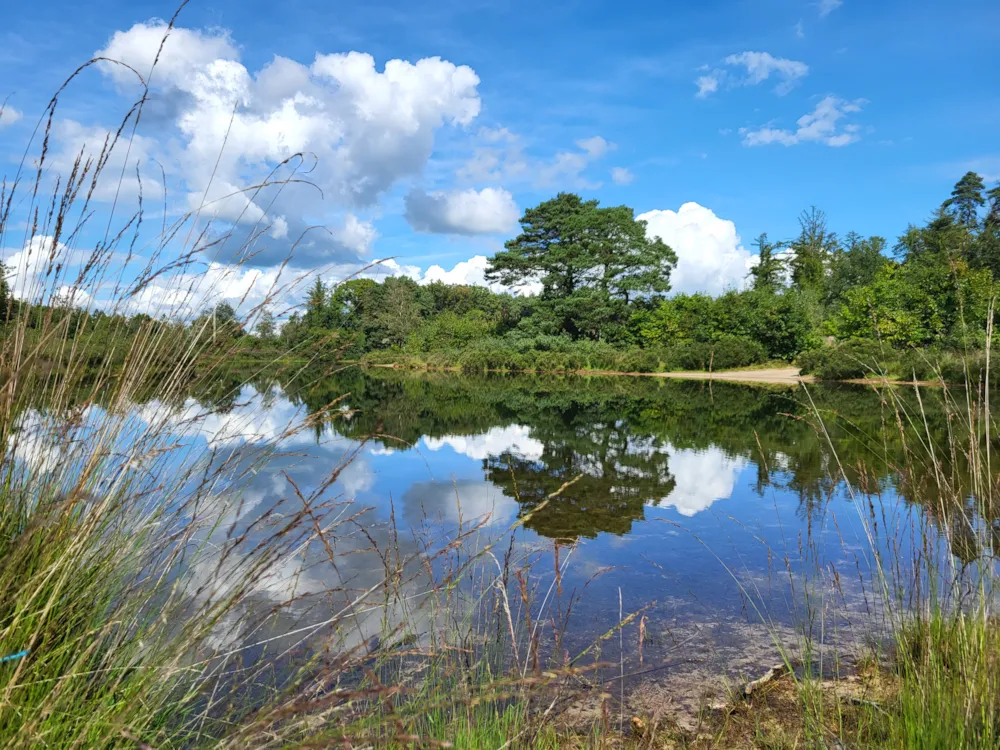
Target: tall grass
<point>145,600</point>
<point>931,679</point>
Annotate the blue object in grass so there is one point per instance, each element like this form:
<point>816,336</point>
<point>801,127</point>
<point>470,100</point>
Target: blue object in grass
<point>15,657</point>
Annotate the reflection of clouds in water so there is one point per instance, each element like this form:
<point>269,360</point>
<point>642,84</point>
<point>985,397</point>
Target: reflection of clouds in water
<point>472,501</point>
<point>252,494</point>
<point>37,443</point>
<point>356,478</point>
<point>702,476</point>
<point>514,439</point>
<point>253,419</point>
<point>298,574</point>
<point>51,450</point>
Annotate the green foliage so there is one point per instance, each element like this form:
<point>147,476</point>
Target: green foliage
<point>266,327</point>
<point>768,274</point>
<point>856,359</point>
<point>812,250</point>
<point>856,264</point>
<point>592,263</point>
<point>603,303</point>
<point>917,304</point>
<point>778,323</point>
<point>724,353</point>
<point>449,330</point>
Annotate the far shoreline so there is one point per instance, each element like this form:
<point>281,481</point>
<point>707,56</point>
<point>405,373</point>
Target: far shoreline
<point>759,376</point>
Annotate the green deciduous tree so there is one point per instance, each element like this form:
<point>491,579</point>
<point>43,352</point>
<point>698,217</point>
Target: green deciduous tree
<point>266,327</point>
<point>854,264</point>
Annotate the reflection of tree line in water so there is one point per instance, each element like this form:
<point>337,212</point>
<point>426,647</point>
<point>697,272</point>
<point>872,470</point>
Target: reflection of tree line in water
<point>614,433</point>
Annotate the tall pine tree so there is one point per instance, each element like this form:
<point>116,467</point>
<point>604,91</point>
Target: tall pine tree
<point>769,273</point>
<point>966,200</point>
<point>811,251</point>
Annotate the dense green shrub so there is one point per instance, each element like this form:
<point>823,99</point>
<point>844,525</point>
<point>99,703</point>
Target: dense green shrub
<point>922,364</point>
<point>726,353</point>
<point>638,360</point>
<point>852,359</point>
<point>964,368</point>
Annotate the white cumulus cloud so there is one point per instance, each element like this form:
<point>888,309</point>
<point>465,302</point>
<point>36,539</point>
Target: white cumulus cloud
<point>486,211</point>
<point>702,477</point>
<point>710,257</point>
<point>822,125</point>
<point>621,176</point>
<point>368,127</point>
<point>9,115</point>
<point>514,439</point>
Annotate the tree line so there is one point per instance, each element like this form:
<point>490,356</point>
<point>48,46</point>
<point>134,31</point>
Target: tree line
<point>604,299</point>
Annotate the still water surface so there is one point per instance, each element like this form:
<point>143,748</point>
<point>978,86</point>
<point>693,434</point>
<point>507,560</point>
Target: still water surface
<point>715,512</point>
<point>710,509</point>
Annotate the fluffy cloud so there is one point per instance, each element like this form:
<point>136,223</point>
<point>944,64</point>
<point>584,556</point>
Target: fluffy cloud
<point>621,176</point>
<point>501,157</point>
<point>759,67</point>
<point>368,129</point>
<point>356,235</point>
<point>185,52</point>
<point>701,477</point>
<point>469,501</point>
<point>471,272</point>
<point>8,116</point>
<point>487,211</point>
<point>826,7</point>
<point>513,439</point>
<point>40,267</point>
<point>243,287</point>
<point>822,125</point>
<point>710,257</point>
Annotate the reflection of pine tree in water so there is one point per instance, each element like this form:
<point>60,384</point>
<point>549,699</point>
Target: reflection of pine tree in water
<point>614,433</point>
<point>618,476</point>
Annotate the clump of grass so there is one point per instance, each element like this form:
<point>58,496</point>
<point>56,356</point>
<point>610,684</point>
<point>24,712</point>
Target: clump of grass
<point>942,680</point>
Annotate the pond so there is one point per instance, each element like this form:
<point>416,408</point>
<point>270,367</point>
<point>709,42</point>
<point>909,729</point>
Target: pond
<point>710,518</point>
<point>716,513</point>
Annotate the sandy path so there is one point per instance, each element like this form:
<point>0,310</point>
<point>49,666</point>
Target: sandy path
<point>783,375</point>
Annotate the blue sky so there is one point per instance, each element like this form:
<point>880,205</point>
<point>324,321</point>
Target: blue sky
<point>869,110</point>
